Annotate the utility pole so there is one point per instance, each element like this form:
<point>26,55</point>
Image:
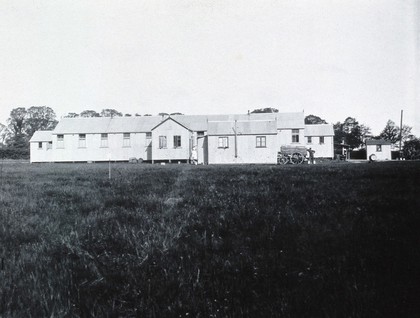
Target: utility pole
<point>401,133</point>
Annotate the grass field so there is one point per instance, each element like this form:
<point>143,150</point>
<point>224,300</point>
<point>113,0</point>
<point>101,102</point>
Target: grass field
<point>337,240</point>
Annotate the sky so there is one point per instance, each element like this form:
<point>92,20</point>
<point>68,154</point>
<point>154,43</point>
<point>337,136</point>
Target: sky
<point>330,58</point>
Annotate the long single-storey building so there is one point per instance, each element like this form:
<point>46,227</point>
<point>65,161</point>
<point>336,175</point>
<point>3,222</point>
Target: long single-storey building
<point>215,139</point>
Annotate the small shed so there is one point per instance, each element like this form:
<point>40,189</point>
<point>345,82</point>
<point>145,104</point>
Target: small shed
<point>41,146</point>
<point>381,149</point>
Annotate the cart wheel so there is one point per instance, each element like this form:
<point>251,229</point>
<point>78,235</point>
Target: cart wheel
<point>282,160</point>
<point>297,158</point>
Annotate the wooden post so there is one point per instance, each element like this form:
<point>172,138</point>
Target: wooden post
<point>236,141</point>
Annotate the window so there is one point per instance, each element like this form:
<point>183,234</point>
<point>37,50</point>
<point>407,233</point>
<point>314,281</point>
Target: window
<point>295,135</point>
<point>104,140</point>
<point>49,145</point>
<point>82,140</point>
<point>126,140</point>
<point>200,133</point>
<point>321,140</point>
<point>40,145</point>
<point>378,148</point>
<point>309,140</point>
<point>261,142</point>
<point>223,142</point>
<point>148,135</point>
<point>60,141</point>
<point>177,141</point>
<point>162,142</point>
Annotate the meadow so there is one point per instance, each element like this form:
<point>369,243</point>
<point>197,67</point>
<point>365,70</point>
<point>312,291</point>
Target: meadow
<point>332,240</point>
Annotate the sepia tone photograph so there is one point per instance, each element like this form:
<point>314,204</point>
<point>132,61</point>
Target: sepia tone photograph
<point>209,158</point>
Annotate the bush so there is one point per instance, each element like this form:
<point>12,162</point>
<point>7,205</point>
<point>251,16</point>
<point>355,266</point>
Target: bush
<point>14,153</point>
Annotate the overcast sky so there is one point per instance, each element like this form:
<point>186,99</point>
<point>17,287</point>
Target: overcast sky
<point>330,58</point>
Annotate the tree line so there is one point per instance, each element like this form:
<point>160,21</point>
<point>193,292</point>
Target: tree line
<point>22,123</point>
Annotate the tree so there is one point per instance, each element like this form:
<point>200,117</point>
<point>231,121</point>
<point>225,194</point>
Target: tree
<point>350,132</point>
<point>137,115</point>
<point>127,115</point>
<point>4,134</point>
<point>265,110</point>
<point>411,149</point>
<point>39,118</point>
<point>108,112</point>
<point>16,125</point>
<point>391,132</point>
<point>172,114</point>
<point>71,115</point>
<point>89,113</point>
<point>313,120</point>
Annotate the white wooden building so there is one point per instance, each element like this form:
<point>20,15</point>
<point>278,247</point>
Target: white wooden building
<point>380,149</point>
<point>218,139</point>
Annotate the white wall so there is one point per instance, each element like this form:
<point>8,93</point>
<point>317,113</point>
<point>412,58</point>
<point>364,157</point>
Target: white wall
<point>93,150</point>
<point>170,129</point>
<point>385,154</point>
<point>40,154</point>
<point>284,137</point>
<point>325,150</point>
<point>247,150</point>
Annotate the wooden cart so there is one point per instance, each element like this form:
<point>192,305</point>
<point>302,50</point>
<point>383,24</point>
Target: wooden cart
<point>291,154</point>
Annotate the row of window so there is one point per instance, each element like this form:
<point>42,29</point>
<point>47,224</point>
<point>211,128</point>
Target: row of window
<point>163,143</point>
<point>261,142</point>
<point>222,143</point>
<point>321,140</point>
<point>104,140</point>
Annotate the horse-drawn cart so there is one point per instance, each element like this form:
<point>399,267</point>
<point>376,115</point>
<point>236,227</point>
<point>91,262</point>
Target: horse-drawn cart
<point>291,154</point>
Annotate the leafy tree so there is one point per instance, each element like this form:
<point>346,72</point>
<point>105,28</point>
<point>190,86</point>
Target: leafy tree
<point>89,113</point>
<point>351,132</point>
<point>176,114</point>
<point>4,133</point>
<point>391,132</point>
<point>162,114</point>
<point>313,120</point>
<point>108,112</point>
<point>137,115</point>
<point>16,125</point>
<point>265,110</point>
<point>127,115</point>
<point>147,115</point>
<point>71,115</point>
<point>39,118</point>
<point>411,149</point>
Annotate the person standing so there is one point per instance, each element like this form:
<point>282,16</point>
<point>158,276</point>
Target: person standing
<point>311,155</point>
<point>194,155</point>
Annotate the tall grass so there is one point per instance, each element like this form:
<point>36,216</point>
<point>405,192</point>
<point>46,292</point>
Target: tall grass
<point>209,241</point>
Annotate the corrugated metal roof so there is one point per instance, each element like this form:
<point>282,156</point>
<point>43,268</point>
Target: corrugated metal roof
<point>41,135</point>
<point>290,120</point>
<point>378,142</point>
<point>146,123</point>
<point>263,127</point>
<point>95,125</point>
<point>319,130</point>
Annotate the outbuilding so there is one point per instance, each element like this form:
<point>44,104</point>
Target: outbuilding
<point>378,149</point>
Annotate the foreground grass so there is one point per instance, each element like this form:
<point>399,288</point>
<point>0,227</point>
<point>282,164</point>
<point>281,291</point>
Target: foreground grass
<point>210,241</point>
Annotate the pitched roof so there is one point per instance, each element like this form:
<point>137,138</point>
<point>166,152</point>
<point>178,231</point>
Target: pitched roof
<point>41,135</point>
<point>170,118</point>
<point>378,142</point>
<point>146,123</point>
<point>106,125</point>
<point>263,127</point>
<point>319,130</point>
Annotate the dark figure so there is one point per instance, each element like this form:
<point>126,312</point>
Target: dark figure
<point>311,155</point>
